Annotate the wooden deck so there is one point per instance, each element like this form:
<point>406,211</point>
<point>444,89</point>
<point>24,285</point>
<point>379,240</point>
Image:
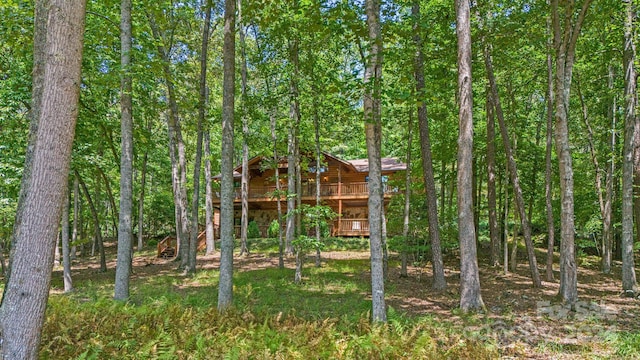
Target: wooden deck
<point>330,191</point>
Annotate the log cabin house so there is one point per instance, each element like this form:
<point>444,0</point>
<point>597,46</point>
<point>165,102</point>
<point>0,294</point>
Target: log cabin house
<point>343,186</point>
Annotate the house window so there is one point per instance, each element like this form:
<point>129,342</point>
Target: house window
<point>312,169</point>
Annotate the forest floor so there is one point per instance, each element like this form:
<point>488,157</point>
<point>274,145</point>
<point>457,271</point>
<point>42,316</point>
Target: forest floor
<point>522,321</point>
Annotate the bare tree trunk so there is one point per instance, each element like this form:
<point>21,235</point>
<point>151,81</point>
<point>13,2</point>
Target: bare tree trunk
<point>125,223</point>
<point>565,37</point>
<point>470,298</point>
<point>143,181</point>
<point>407,198</point>
<point>551,229</point>
<point>96,223</point>
<point>629,283</point>
<point>58,57</point>
<point>225,289</point>
<point>505,247</point>
<point>202,111</point>
<point>316,127</point>
<point>177,152</point>
<point>244,187</point>
<point>112,201</point>
<point>439,282</point>
<point>607,228</point>
<point>292,146</point>
<point>76,216</point>
<point>373,131</point>
<point>513,171</point>
<point>494,234</point>
<point>66,259</point>
<point>211,245</point>
<point>276,162</point>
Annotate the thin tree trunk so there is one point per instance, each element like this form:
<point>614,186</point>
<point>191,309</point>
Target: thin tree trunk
<point>96,223</point>
<point>373,131</point>
<point>276,162</point>
<point>211,245</point>
<point>225,289</point>
<point>470,298</point>
<point>66,259</point>
<point>244,187</point>
<point>125,222</point>
<point>202,113</point>
<point>505,247</point>
<point>551,229</point>
<point>513,171</point>
<point>494,235</point>
<point>629,283</point>
<point>76,216</point>
<point>58,56</point>
<point>112,201</point>
<point>592,151</point>
<point>143,181</point>
<point>407,198</point>
<point>177,152</point>
<point>565,37</point>
<point>607,228</point>
<point>439,282</point>
<point>292,147</point>
<point>514,246</point>
<point>316,128</point>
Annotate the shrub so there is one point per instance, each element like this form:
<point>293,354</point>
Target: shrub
<point>253,230</point>
<point>273,229</point>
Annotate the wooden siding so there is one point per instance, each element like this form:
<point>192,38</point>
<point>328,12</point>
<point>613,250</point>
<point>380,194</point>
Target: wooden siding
<point>341,186</point>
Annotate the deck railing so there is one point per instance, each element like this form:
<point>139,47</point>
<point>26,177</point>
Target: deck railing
<point>330,189</point>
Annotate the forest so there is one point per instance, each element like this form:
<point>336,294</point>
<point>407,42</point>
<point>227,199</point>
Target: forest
<point>509,232</point>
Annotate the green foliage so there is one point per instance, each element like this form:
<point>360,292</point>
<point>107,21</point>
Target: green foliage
<point>305,243</point>
<point>172,317</point>
<point>272,231</point>
<point>253,230</point>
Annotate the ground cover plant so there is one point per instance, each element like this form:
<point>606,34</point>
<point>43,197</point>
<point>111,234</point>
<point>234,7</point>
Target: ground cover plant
<point>171,316</point>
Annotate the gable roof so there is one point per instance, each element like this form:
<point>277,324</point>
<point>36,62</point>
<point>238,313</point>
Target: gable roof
<point>358,165</point>
<point>388,164</point>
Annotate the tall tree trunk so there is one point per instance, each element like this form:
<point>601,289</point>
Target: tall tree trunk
<point>112,200</point>
<point>143,181</point>
<point>565,37</point>
<point>551,229</point>
<point>211,245</point>
<point>407,198</point>
<point>439,282</point>
<point>125,223</point>
<point>470,298</point>
<point>513,172</point>
<point>177,152</point>
<point>494,234</point>
<point>505,235</point>
<point>244,187</point>
<point>202,113</point>
<point>225,289</point>
<point>76,216</point>
<point>373,131</point>
<point>316,128</point>
<point>292,147</point>
<point>58,55</point>
<point>276,162</point>
<point>96,223</point>
<point>607,227</point>
<point>66,259</point>
<point>629,283</point>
